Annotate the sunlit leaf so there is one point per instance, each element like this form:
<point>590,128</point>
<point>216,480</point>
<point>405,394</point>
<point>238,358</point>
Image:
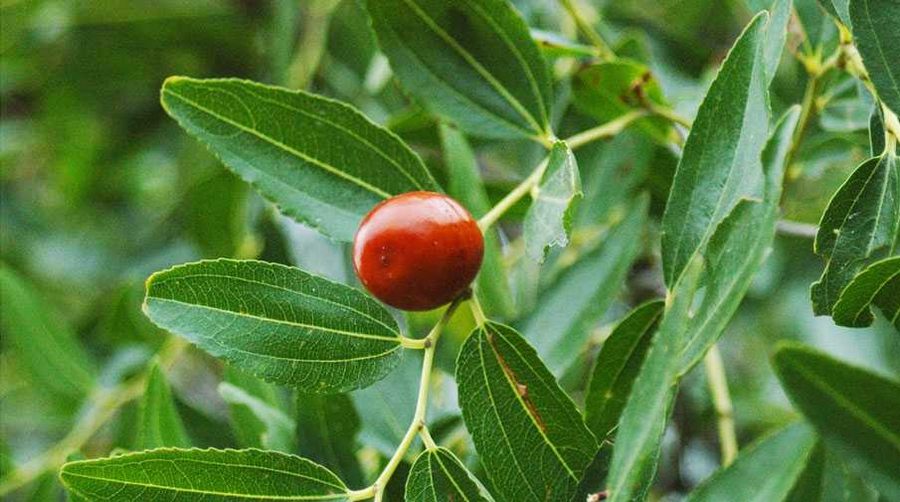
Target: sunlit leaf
<point>276,322</point>
<point>530,437</point>
<point>212,475</point>
<point>856,412</point>
<point>721,160</point>
<point>321,161</point>
<point>549,219</point>
<point>472,61</point>
<point>438,476</point>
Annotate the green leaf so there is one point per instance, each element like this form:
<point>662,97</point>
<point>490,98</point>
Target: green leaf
<point>549,219</point>
<point>465,185</point>
<point>529,436</point>
<point>45,347</point>
<point>159,424</point>
<point>721,160</point>
<point>644,418</point>
<point>877,37</point>
<point>838,9</point>
<point>218,224</point>
<point>472,61</point>
<point>616,368</point>
<point>321,161</point>
<point>326,432</point>
<point>261,423</point>
<point>438,476</point>
<point>608,90</point>
<point>738,248</point>
<point>856,412</point>
<point>277,322</point>
<point>860,223</point>
<point>569,310</point>
<point>776,33</point>
<point>254,426</point>
<point>878,284</point>
<point>210,475</point>
<point>876,133</point>
<point>765,471</point>
<point>809,484</point>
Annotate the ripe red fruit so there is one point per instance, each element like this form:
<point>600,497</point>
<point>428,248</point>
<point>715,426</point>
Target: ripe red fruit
<point>418,250</point>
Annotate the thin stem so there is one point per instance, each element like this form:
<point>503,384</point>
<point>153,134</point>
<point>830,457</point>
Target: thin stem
<point>718,387</point>
<point>512,197</point>
<point>796,229</point>
<point>104,403</point>
<point>606,130</point>
<point>477,312</point>
<point>427,439</point>
<point>417,426</point>
<point>586,29</point>
<point>669,114</point>
<point>807,109</point>
<point>413,343</point>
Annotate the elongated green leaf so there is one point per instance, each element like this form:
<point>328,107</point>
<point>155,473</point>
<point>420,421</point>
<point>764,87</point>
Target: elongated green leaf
<point>46,348</point>
<point>610,89</point>
<point>326,432</point>
<point>254,426</point>
<point>465,185</point>
<point>321,161</point>
<point>556,45</point>
<point>809,484</point>
<point>876,133</point>
<point>776,32</point>
<point>562,323</point>
<point>528,433</point>
<point>276,322</point>
<point>737,249</point>
<point>860,223</point>
<point>838,9</point>
<point>272,429</point>
<point>472,61</point>
<point>876,35</point>
<point>644,418</point>
<point>855,411</point>
<point>764,472</point>
<point>549,219</point>
<point>721,160</point>
<point>878,284</point>
<point>159,424</point>
<point>616,368</point>
<point>438,476</point>
<point>210,475</point>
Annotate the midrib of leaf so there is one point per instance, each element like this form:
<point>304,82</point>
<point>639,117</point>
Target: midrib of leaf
<point>273,286</point>
<point>429,22</point>
<point>349,132</point>
<point>327,167</point>
<point>349,334</point>
<point>840,235</point>
<point>854,410</point>
<point>494,407</point>
<point>524,405</point>
<point>871,298</point>
<point>437,457</point>
<point>515,50</point>
<point>211,492</point>
<point>884,61</point>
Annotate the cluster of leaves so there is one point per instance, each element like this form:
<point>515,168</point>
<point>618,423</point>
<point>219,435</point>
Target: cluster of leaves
<point>479,80</point>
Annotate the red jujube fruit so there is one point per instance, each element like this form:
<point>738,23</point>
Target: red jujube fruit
<point>418,250</point>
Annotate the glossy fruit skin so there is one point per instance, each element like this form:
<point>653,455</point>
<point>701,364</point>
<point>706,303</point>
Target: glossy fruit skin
<point>418,250</point>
